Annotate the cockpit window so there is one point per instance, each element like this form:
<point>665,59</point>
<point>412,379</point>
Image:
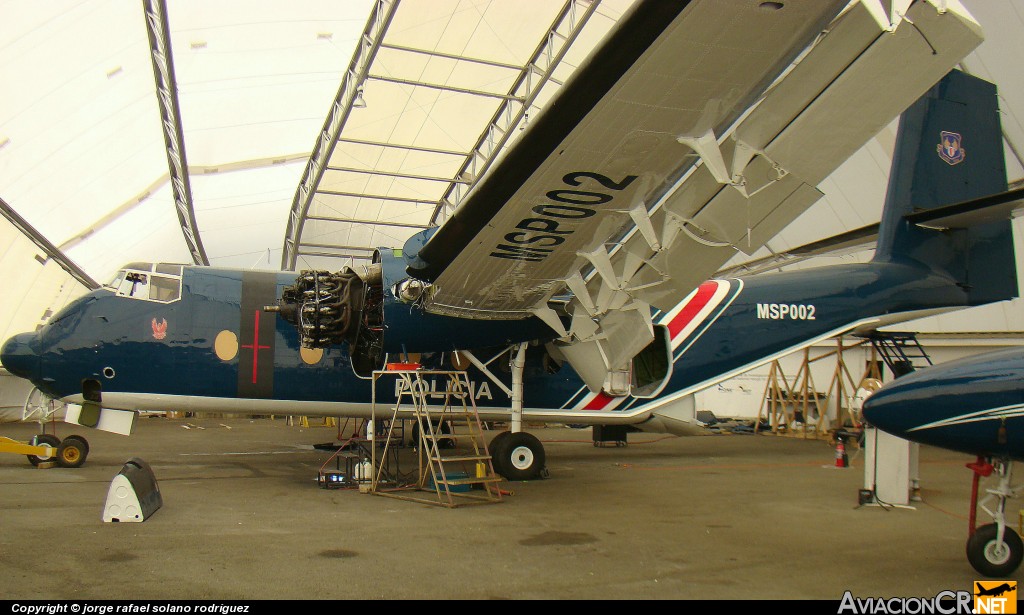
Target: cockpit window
<point>116,282</point>
<point>168,268</point>
<point>134,284</point>
<point>138,281</point>
<point>164,288</point>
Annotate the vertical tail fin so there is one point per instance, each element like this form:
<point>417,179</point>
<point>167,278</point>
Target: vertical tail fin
<point>949,150</point>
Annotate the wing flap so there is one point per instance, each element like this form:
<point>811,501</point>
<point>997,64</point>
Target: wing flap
<point>785,147</point>
<point>816,117</point>
<point>873,90</point>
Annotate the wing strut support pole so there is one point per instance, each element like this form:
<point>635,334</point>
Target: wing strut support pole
<point>480,365</point>
<point>518,366</point>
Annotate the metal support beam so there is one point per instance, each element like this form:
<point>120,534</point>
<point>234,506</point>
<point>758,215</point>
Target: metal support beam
<point>380,17</point>
<point>380,197</point>
<point>429,178</point>
<point>170,115</point>
<point>512,111</point>
<point>411,148</point>
<point>527,85</point>
<point>443,87</point>
<point>362,257</point>
<point>51,251</point>
<point>371,222</point>
<point>451,56</point>
<point>336,247</point>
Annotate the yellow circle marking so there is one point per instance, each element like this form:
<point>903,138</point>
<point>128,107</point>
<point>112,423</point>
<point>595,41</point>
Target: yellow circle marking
<point>311,356</point>
<point>226,345</point>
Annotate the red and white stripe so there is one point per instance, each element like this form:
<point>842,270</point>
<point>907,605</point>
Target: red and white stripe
<point>691,313</point>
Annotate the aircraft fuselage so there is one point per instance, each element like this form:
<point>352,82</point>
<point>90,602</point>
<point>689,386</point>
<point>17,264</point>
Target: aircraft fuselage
<point>973,405</point>
<point>216,349</point>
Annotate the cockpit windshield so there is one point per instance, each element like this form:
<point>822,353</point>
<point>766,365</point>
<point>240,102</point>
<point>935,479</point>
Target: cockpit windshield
<point>159,282</point>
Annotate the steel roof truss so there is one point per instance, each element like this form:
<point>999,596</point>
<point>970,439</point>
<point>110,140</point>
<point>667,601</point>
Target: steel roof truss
<point>366,222</point>
<point>532,78</point>
<point>381,15</point>
<point>170,116</point>
<point>430,178</point>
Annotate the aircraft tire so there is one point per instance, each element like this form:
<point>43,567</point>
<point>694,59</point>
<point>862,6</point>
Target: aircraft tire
<point>85,443</point>
<point>72,452</point>
<point>494,448</point>
<point>520,456</point>
<point>991,558</point>
<point>43,439</point>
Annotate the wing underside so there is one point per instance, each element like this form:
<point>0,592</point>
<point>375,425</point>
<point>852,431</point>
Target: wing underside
<point>694,131</point>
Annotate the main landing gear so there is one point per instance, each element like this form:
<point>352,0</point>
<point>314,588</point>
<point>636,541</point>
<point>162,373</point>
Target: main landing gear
<point>515,454</point>
<point>994,550</point>
<point>518,456</point>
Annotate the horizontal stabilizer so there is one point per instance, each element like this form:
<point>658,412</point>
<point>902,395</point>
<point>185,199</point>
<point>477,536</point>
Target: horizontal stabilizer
<point>993,208</point>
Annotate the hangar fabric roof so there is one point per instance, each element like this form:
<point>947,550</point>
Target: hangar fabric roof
<point>307,133</point>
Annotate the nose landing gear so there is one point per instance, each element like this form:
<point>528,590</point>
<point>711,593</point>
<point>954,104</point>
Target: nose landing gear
<point>45,450</point>
<point>994,550</point>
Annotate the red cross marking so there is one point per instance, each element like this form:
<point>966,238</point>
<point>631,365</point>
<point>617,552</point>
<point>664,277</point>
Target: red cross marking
<point>255,345</point>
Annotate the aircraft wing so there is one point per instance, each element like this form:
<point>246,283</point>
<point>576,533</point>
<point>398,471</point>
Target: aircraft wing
<point>850,241</point>
<point>695,130</point>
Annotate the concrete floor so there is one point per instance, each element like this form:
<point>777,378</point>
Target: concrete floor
<point>714,517</point>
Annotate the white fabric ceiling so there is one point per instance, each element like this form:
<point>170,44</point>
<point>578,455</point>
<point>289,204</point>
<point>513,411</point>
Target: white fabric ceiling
<point>82,153</point>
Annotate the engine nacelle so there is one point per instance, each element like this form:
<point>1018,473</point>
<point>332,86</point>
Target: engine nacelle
<point>378,310</point>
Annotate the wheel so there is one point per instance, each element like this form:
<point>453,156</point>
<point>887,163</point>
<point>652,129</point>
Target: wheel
<point>497,456</point>
<point>72,452</point>
<point>85,443</point>
<point>992,558</point>
<point>519,456</point>
<point>42,439</point>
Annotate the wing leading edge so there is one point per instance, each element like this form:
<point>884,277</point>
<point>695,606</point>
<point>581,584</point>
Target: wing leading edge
<point>695,130</point>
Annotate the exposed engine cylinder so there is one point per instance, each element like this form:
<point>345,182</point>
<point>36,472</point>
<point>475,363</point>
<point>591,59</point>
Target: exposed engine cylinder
<point>327,306</point>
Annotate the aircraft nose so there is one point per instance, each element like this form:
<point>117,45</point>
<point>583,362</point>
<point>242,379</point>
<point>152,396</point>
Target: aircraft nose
<point>18,357</point>
<point>890,413</point>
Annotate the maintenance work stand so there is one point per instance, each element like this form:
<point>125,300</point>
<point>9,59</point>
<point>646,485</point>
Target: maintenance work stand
<point>464,475</point>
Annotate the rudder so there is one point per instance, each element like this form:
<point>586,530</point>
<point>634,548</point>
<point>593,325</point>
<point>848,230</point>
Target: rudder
<point>950,150</point>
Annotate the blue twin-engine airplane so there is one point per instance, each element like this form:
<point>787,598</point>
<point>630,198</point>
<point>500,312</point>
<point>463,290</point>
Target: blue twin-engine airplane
<point>570,282</point>
<point>973,405</point>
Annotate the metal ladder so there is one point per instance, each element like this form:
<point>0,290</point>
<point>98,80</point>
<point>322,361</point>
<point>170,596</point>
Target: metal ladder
<point>900,351</point>
<point>451,477</point>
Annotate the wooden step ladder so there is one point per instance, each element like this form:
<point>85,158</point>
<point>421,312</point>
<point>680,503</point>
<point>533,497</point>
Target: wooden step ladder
<point>451,477</point>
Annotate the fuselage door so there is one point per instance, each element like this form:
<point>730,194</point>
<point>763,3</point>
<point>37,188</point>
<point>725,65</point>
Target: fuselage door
<point>652,366</point>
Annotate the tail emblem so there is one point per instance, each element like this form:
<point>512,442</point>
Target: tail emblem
<point>159,329</point>
<point>951,148</point>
